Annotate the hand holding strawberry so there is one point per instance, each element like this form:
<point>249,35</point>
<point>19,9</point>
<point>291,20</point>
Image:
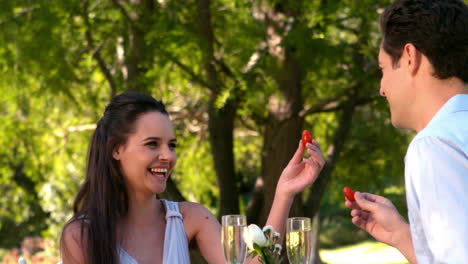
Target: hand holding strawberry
<point>301,171</point>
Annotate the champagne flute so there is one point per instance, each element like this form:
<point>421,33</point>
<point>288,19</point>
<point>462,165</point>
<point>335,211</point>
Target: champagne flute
<point>299,240</point>
<point>232,238</point>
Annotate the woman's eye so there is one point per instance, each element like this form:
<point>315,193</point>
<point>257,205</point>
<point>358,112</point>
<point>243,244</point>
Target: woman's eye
<point>152,144</point>
<point>173,145</point>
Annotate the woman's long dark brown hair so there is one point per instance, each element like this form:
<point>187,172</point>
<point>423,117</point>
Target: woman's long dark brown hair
<point>103,197</point>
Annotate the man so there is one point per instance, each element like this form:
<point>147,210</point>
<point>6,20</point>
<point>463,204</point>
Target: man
<point>424,62</point>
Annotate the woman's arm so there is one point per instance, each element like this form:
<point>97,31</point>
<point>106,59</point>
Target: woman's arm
<point>202,226</point>
<point>298,174</point>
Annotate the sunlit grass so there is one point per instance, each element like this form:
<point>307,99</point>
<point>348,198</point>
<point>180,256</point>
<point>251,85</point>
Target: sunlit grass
<point>363,253</point>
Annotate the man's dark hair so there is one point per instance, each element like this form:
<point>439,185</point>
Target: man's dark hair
<point>437,28</point>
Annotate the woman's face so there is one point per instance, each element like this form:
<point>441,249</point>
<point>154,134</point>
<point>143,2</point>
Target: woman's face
<point>148,156</point>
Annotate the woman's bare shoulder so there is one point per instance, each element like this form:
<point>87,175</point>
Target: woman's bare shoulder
<point>195,210</point>
<point>75,229</point>
<point>73,241</point>
<point>196,218</point>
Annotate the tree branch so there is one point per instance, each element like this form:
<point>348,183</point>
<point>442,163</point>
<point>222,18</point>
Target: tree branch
<point>196,78</point>
<point>327,103</point>
<point>123,9</point>
<point>345,28</point>
<point>19,14</point>
<point>96,54</point>
<point>226,69</point>
<point>255,57</point>
<point>335,105</point>
<point>335,102</point>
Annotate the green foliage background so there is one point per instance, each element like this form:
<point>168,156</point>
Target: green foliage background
<point>53,92</point>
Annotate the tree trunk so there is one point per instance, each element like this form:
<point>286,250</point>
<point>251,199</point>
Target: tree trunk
<point>221,119</point>
<point>312,206</point>
<point>139,55</point>
<point>282,133</point>
<point>221,126</point>
<point>315,238</point>
<point>284,124</point>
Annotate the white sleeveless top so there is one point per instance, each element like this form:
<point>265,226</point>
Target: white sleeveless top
<point>175,240</point>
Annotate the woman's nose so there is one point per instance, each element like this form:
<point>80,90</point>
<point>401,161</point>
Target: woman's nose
<point>166,153</point>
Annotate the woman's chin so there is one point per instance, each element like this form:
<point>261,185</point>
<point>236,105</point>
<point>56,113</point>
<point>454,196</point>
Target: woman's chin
<point>158,189</point>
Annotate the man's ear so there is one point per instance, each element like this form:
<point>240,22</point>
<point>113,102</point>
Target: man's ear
<point>414,57</point>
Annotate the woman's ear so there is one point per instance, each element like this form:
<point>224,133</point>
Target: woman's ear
<point>116,153</point>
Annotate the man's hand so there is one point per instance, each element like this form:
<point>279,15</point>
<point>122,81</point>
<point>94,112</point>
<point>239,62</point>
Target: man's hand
<point>379,217</point>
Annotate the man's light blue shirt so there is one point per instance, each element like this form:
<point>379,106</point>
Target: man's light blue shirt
<point>436,176</point>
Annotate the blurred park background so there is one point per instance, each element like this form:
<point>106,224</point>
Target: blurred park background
<point>241,78</point>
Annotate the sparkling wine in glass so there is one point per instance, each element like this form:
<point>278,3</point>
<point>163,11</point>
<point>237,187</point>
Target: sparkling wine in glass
<point>299,240</point>
<point>232,238</point>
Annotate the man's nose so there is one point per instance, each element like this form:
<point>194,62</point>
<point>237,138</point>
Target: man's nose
<point>381,91</point>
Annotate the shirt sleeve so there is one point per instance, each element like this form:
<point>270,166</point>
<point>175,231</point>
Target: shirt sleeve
<point>439,177</point>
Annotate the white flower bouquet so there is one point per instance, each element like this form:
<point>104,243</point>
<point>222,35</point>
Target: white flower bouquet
<point>262,243</point>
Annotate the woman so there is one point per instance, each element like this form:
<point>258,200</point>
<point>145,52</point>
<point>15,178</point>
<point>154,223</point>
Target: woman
<point>117,217</point>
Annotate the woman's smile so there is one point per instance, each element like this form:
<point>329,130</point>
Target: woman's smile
<point>161,173</point>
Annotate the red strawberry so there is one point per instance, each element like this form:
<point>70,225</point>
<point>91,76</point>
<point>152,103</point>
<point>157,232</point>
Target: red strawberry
<point>349,194</point>
<point>306,138</point>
